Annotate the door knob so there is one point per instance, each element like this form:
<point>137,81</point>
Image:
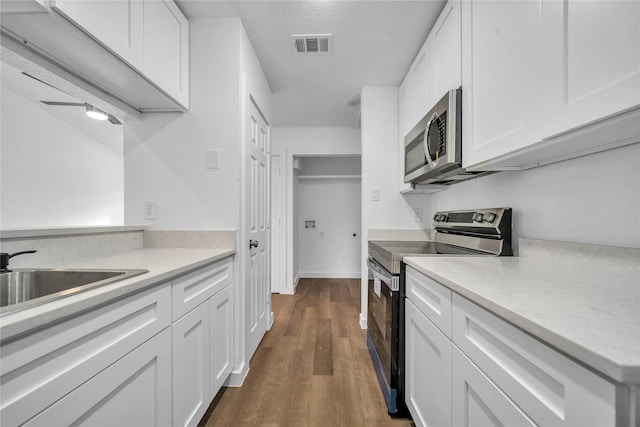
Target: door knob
<point>253,244</point>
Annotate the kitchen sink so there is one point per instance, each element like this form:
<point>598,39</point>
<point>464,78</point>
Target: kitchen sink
<point>26,288</point>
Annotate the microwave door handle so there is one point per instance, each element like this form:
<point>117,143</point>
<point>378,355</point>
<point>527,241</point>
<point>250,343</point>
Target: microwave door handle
<point>425,142</point>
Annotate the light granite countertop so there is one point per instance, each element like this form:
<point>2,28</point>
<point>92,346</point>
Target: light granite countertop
<point>163,264</point>
<point>582,300</point>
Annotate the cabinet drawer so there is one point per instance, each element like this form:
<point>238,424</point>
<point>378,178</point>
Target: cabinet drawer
<point>41,368</point>
<point>548,387</point>
<point>196,287</point>
<point>431,298</point>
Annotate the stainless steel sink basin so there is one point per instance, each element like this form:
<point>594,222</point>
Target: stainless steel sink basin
<point>26,288</point>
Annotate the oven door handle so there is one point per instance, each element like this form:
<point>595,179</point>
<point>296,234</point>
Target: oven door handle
<point>379,272</point>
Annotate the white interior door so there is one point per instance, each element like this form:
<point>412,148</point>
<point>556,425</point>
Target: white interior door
<point>258,291</point>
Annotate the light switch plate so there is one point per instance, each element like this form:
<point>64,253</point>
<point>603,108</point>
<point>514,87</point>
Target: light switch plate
<point>150,210</point>
<point>375,194</point>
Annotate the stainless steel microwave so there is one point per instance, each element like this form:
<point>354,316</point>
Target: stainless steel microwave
<point>433,148</point>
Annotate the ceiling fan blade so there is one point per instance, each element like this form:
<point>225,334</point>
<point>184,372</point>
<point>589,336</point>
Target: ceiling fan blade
<point>114,120</point>
<point>65,104</point>
<point>42,81</point>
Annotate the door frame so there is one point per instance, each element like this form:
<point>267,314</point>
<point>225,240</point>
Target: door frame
<point>240,357</point>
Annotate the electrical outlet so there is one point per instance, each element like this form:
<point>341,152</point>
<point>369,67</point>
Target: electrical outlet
<point>150,210</point>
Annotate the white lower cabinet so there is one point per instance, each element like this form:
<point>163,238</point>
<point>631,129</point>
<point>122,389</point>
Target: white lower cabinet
<point>134,391</point>
<point>480,370</point>
<point>428,367</point>
<point>202,339</point>
<point>548,387</point>
<point>125,363</point>
<point>221,343</point>
<point>477,400</point>
<point>40,369</point>
<point>191,341</point>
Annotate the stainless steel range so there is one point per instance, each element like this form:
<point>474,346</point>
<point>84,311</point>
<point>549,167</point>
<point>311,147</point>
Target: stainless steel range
<point>479,232</point>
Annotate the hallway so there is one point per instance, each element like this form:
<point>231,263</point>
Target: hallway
<point>312,369</point>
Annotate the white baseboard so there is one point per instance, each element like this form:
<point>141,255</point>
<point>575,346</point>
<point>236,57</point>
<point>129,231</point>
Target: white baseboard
<point>295,282</point>
<point>329,275</point>
<point>271,319</point>
<point>237,376</point>
<point>363,321</point>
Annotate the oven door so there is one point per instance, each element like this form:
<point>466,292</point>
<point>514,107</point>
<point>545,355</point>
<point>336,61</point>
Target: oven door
<point>382,334</point>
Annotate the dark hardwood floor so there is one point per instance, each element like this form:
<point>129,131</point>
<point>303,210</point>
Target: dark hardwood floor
<point>311,369</point>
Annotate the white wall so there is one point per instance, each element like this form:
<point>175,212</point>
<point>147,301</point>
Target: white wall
<point>165,153</point>
<point>380,165</point>
<point>593,199</point>
<point>306,142</point>
<point>54,171</point>
<point>329,250</point>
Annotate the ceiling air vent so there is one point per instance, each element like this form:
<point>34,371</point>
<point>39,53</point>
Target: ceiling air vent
<point>312,43</point>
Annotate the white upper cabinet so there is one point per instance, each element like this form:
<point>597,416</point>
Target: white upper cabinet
<point>545,81</point>
<point>166,48</point>
<point>592,61</point>
<point>133,54</point>
<point>435,70</point>
<point>116,24</point>
<point>500,77</point>
<point>446,52</point>
<point>422,76</point>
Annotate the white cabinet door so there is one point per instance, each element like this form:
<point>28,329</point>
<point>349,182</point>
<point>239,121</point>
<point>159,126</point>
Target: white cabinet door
<point>500,77</point>
<point>134,391</point>
<point>166,48</point>
<point>191,366</point>
<point>421,74</point>
<point>428,370</point>
<point>405,107</point>
<point>221,315</point>
<point>118,25</point>
<point>592,60</point>
<point>446,50</point>
<point>476,401</point>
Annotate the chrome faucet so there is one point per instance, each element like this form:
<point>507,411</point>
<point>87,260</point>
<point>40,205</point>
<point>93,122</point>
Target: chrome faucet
<point>4,260</point>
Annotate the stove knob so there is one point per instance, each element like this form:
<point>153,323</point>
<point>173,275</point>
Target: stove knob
<point>477,217</point>
<point>443,218</point>
<point>436,217</point>
<point>490,217</point>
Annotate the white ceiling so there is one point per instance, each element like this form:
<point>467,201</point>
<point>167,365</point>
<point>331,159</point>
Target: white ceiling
<point>374,43</point>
